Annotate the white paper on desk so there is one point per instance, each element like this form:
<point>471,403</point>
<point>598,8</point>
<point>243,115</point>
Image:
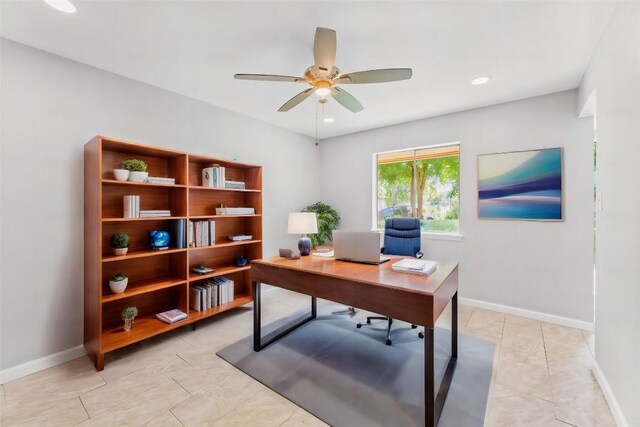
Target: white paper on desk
<point>324,254</point>
<point>428,268</point>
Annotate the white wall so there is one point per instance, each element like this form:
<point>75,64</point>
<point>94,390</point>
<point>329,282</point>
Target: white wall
<point>51,106</point>
<point>540,266</point>
<point>614,76</point>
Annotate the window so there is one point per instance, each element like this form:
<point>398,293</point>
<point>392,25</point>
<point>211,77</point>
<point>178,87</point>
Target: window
<point>422,183</point>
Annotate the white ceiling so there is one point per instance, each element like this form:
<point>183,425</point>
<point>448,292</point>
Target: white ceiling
<point>194,47</point>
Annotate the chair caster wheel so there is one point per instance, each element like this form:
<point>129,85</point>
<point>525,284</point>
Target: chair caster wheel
<point>359,325</point>
<point>420,335</point>
<point>414,326</point>
<point>368,321</point>
<point>388,342</point>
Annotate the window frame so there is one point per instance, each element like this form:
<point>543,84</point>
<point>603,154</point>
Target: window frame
<point>435,235</point>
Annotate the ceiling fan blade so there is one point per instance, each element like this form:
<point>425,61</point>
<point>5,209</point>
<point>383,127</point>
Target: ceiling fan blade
<point>269,78</point>
<point>324,48</point>
<point>375,76</point>
<point>297,99</point>
<point>347,100</point>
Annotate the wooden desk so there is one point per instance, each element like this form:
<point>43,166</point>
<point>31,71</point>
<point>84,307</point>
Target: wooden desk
<point>415,299</point>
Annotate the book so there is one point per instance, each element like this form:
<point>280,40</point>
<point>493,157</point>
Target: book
<point>235,211</point>
<point>160,180</point>
<point>171,316</point>
<point>177,233</point>
<point>414,266</point>
<point>131,206</point>
<point>234,184</point>
<point>194,298</point>
<point>240,237</point>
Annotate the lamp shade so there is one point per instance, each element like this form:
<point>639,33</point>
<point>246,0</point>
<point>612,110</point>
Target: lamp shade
<point>302,223</point>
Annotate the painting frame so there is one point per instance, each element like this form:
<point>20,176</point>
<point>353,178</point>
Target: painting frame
<point>548,203</point>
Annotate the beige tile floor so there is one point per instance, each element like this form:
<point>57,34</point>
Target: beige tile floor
<point>541,377</point>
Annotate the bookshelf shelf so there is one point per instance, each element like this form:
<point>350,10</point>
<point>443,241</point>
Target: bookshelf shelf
<point>140,184</point>
<point>219,271</point>
<point>139,254</point>
<point>239,190</point>
<point>153,218</point>
<point>160,280</point>
<point>237,302</point>
<point>224,244</point>
<point>142,287</point>
<point>224,216</point>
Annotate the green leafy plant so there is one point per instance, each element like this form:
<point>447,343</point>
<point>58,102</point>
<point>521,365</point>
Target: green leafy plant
<point>129,313</point>
<point>328,220</point>
<point>134,165</point>
<point>119,240</point>
<point>118,277</point>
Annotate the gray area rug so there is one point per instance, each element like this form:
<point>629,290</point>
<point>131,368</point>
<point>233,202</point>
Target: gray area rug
<point>349,377</point>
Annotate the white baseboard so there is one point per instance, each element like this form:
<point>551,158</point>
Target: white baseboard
<point>618,416</point>
<point>536,315</point>
<point>41,364</point>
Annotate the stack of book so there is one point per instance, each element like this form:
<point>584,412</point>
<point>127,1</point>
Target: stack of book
<point>240,237</point>
<point>131,206</point>
<point>213,176</point>
<point>214,292</point>
<point>172,316</point>
<point>235,211</point>
<point>154,213</point>
<point>160,180</point>
<point>201,233</point>
<point>239,185</point>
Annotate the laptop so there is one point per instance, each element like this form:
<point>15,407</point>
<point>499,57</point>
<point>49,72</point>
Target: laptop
<point>358,246</point>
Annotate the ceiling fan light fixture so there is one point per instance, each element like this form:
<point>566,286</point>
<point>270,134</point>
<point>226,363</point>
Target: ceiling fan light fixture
<point>480,80</point>
<point>328,120</point>
<point>62,5</point>
<point>323,91</point>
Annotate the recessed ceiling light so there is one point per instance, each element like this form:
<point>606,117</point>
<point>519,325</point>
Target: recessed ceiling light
<point>480,80</point>
<point>323,91</point>
<point>327,120</point>
<point>62,5</point>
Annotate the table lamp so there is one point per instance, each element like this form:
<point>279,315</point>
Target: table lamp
<point>303,223</point>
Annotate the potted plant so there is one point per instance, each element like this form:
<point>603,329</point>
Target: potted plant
<point>137,169</point>
<point>328,220</point>
<point>121,174</point>
<point>118,283</point>
<point>128,314</point>
<point>120,243</point>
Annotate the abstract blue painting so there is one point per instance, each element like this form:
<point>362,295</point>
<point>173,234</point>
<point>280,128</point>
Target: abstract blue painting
<point>525,185</point>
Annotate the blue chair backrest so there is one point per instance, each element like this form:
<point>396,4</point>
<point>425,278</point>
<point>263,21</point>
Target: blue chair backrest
<point>401,236</point>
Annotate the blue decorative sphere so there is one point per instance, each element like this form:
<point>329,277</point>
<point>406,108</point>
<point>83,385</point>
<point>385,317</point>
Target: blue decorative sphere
<point>158,239</point>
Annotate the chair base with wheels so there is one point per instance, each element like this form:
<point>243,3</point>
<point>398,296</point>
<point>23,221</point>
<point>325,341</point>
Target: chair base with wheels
<point>389,323</point>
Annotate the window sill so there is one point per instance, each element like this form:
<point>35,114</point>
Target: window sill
<point>442,236</point>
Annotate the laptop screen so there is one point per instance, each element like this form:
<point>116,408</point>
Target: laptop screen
<point>358,246</point>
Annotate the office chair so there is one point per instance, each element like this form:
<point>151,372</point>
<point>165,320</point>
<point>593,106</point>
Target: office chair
<point>401,237</point>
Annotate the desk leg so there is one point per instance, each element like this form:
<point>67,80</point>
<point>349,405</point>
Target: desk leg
<point>429,381</point>
<point>257,317</point>
<point>257,320</point>
<point>433,405</point>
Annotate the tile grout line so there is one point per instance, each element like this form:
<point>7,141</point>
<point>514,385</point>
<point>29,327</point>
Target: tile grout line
<point>85,411</point>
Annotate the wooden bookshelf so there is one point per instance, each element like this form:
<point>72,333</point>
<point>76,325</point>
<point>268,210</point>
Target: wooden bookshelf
<point>160,280</point>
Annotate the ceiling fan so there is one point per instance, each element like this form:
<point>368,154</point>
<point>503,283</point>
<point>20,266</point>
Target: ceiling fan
<point>324,75</point>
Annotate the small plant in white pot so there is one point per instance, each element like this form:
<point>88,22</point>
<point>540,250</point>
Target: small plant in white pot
<point>118,283</point>
<point>128,315</point>
<point>121,174</point>
<point>120,243</point>
<point>137,169</point>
